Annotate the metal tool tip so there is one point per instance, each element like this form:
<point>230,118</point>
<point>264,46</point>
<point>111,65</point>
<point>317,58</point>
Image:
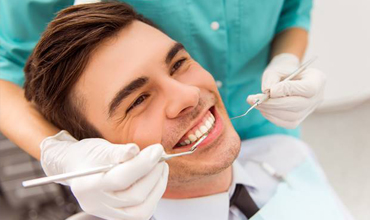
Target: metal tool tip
<point>194,147</point>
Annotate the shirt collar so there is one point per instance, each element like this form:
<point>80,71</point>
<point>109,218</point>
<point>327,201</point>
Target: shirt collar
<point>214,207</point>
<point>240,176</point>
<point>209,207</point>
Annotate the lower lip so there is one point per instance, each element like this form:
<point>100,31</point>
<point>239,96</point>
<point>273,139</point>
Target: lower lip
<point>212,136</point>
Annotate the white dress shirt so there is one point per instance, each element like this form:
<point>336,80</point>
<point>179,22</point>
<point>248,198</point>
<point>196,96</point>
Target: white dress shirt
<point>283,153</point>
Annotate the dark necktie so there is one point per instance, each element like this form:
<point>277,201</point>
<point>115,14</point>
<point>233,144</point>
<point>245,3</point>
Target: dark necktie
<point>243,201</point>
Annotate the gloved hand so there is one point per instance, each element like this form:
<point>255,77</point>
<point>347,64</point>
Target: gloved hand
<point>130,190</point>
<point>292,101</point>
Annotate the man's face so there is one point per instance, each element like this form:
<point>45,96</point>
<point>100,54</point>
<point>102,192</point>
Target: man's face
<point>142,87</point>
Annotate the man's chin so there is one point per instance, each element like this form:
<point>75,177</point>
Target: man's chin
<point>209,162</point>
<point>216,155</point>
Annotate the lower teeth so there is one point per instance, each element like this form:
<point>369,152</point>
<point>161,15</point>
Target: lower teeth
<point>187,142</point>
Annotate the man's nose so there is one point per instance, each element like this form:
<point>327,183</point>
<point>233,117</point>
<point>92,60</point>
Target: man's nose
<point>181,98</point>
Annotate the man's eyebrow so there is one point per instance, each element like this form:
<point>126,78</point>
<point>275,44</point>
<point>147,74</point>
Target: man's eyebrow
<point>140,82</point>
<point>173,51</point>
<point>125,92</point>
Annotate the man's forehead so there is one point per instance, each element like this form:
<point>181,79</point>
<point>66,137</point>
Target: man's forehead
<point>134,46</point>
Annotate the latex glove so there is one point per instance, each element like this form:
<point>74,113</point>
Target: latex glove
<point>130,190</point>
<point>292,101</point>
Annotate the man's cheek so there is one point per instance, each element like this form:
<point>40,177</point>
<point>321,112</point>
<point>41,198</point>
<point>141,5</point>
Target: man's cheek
<point>147,134</point>
<point>209,83</point>
<point>207,78</point>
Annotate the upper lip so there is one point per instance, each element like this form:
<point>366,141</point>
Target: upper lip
<point>195,122</point>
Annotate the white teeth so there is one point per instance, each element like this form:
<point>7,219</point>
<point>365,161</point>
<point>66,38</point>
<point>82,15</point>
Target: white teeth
<point>192,137</point>
<point>203,129</point>
<point>198,133</point>
<point>207,125</point>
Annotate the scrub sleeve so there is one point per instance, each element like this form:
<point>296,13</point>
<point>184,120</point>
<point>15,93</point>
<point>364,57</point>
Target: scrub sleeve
<point>21,25</point>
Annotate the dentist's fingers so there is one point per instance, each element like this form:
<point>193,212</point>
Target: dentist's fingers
<point>81,186</point>
<point>281,123</point>
<point>118,153</point>
<point>252,99</point>
<point>287,112</point>
<point>144,210</point>
<point>287,116</point>
<point>124,175</point>
<point>308,84</point>
<point>147,208</point>
<point>269,79</point>
<point>279,67</point>
<point>138,192</point>
<point>106,209</point>
<point>292,103</point>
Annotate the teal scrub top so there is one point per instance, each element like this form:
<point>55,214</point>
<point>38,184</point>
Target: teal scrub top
<point>229,38</point>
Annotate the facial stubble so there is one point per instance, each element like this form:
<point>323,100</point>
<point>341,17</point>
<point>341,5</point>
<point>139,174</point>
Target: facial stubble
<point>217,157</point>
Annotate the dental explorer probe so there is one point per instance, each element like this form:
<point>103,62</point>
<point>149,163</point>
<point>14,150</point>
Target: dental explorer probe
<point>65,176</point>
<point>267,95</point>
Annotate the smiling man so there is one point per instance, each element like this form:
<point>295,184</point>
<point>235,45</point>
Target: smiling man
<point>142,87</point>
<point>102,71</point>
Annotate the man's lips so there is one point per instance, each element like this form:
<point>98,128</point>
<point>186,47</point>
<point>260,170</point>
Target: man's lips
<point>199,126</point>
<point>213,135</point>
<point>198,130</point>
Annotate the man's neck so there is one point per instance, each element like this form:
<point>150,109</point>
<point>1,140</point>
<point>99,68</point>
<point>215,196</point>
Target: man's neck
<point>214,184</point>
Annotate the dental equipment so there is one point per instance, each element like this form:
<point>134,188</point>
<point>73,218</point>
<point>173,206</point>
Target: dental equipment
<point>267,96</point>
<point>65,176</point>
<point>271,171</point>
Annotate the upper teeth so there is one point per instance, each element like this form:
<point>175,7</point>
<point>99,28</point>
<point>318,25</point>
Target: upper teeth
<point>202,129</point>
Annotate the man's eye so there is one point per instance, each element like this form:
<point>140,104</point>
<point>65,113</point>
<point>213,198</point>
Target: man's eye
<point>137,102</point>
<point>177,65</point>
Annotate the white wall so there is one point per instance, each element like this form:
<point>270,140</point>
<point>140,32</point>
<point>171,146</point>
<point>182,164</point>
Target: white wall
<point>340,36</point>
<point>339,132</point>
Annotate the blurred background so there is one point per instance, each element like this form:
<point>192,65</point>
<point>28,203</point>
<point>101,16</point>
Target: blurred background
<point>339,131</point>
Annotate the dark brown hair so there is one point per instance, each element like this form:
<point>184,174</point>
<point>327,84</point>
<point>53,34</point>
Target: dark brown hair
<point>61,55</point>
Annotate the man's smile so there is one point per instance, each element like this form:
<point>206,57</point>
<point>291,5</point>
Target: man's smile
<point>210,122</point>
<point>203,126</point>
